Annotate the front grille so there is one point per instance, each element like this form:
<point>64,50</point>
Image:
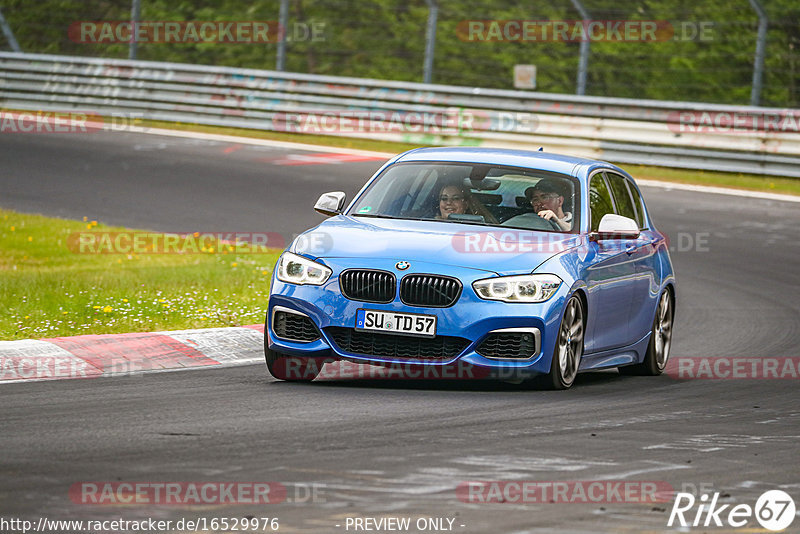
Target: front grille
<point>508,345</point>
<point>367,285</point>
<point>293,327</point>
<point>393,346</point>
<point>429,290</point>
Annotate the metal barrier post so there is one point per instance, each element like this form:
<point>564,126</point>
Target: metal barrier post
<point>12,41</point>
<point>583,62</point>
<point>430,40</point>
<point>761,47</point>
<point>283,21</point>
<point>135,15</point>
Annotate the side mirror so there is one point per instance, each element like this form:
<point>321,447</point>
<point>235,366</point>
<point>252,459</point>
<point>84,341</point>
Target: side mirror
<point>330,204</point>
<point>614,226</point>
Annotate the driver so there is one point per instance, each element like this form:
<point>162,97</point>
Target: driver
<point>547,200</point>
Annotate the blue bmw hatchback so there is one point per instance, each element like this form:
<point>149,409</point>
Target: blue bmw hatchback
<point>517,263</point>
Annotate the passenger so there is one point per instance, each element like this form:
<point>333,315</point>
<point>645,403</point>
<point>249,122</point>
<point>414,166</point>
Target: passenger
<point>455,199</point>
<point>547,200</point>
<point>452,200</point>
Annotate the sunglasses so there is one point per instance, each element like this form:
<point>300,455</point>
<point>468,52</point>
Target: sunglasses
<point>455,198</point>
<point>542,198</point>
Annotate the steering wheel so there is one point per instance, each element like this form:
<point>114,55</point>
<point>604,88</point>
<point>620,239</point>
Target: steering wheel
<point>554,224</point>
<point>532,221</point>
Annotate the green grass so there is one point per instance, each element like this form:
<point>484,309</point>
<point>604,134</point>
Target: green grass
<point>750,182</point>
<point>49,289</point>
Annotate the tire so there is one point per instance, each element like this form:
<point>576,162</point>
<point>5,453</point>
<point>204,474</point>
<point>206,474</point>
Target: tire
<point>657,355</point>
<point>569,346</point>
<point>291,368</point>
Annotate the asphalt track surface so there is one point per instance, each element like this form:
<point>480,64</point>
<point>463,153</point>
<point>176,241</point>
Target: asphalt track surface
<point>381,448</point>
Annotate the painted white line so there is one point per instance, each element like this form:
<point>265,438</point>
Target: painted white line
<point>263,142</point>
<point>720,190</point>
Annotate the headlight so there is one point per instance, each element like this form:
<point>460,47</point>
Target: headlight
<point>296,269</point>
<point>524,288</point>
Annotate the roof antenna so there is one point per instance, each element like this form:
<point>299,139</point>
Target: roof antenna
<point>541,149</point>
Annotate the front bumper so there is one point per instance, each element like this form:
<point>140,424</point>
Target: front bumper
<point>470,318</point>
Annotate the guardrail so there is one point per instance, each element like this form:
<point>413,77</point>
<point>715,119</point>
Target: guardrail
<point>672,134</point>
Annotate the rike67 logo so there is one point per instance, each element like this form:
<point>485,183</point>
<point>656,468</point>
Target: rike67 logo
<point>774,510</point>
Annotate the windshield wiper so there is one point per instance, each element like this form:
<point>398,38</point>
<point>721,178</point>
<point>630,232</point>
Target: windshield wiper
<point>473,223</point>
<point>376,216</point>
<point>451,221</point>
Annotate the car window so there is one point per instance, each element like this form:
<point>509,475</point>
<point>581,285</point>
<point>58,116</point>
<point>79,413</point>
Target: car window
<point>622,197</point>
<point>638,203</point>
<point>421,190</point>
<point>599,200</point>
<point>472,194</point>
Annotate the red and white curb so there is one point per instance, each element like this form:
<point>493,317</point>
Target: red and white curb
<point>94,356</point>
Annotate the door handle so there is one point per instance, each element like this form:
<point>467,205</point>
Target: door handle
<point>630,249</point>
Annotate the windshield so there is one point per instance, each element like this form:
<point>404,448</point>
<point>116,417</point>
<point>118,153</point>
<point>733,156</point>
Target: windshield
<point>473,194</point>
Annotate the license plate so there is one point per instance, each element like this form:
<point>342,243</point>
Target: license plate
<point>396,323</point>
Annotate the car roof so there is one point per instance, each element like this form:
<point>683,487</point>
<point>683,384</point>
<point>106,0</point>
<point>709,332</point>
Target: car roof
<point>540,160</point>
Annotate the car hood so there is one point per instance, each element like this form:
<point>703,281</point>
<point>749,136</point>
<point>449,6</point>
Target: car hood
<point>497,250</point>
